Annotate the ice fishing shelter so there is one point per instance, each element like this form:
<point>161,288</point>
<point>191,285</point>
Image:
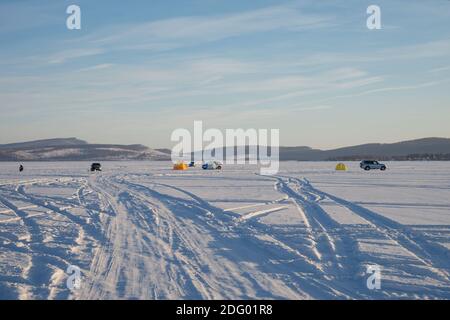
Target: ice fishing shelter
<point>341,167</point>
<point>180,166</point>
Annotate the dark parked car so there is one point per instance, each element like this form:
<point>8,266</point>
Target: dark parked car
<point>96,167</point>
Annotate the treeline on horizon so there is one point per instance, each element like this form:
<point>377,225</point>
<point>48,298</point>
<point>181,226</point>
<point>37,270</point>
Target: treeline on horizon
<point>410,157</point>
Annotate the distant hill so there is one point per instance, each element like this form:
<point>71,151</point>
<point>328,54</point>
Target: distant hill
<point>43,143</point>
<point>420,149</point>
<point>165,151</point>
<point>381,151</point>
<point>76,150</point>
<point>393,150</point>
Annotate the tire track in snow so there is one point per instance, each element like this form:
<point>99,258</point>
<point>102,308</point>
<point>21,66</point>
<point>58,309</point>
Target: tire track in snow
<point>135,262</point>
<point>334,249</point>
<point>55,259</point>
<point>186,245</point>
<point>84,227</point>
<point>38,274</point>
<point>428,253</point>
<point>259,213</point>
<point>315,285</point>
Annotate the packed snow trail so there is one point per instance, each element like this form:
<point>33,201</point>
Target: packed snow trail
<point>164,247</point>
<point>155,234</point>
<point>433,256</point>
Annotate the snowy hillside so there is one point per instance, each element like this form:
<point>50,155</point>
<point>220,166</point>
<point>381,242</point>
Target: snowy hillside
<point>141,230</point>
<point>419,149</point>
<point>75,150</point>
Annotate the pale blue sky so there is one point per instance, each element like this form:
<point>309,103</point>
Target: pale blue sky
<point>139,69</point>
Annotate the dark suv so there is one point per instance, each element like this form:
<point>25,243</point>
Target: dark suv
<point>96,167</point>
<point>371,164</point>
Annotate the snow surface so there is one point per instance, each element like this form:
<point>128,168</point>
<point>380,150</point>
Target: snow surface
<point>139,230</point>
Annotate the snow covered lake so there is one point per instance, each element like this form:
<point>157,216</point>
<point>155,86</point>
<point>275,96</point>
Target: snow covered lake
<point>139,230</point>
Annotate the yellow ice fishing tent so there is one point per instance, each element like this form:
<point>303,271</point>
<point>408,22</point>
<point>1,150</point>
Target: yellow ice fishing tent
<point>180,166</point>
<point>341,167</point>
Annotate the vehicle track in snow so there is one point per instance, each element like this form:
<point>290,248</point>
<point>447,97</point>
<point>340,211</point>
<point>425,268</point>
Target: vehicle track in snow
<point>220,222</point>
<point>138,260</point>
<point>162,246</point>
<point>333,249</point>
<point>37,281</point>
<point>429,254</point>
<point>43,278</point>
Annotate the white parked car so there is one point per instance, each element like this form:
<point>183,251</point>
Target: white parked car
<point>212,165</point>
<point>371,164</point>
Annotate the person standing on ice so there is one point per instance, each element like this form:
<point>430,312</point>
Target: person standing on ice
<point>20,168</point>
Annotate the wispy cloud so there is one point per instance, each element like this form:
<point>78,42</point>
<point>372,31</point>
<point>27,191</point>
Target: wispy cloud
<point>70,54</point>
<point>194,30</point>
<point>440,69</point>
<point>384,89</point>
<point>424,50</point>
<point>97,67</point>
<point>193,83</point>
